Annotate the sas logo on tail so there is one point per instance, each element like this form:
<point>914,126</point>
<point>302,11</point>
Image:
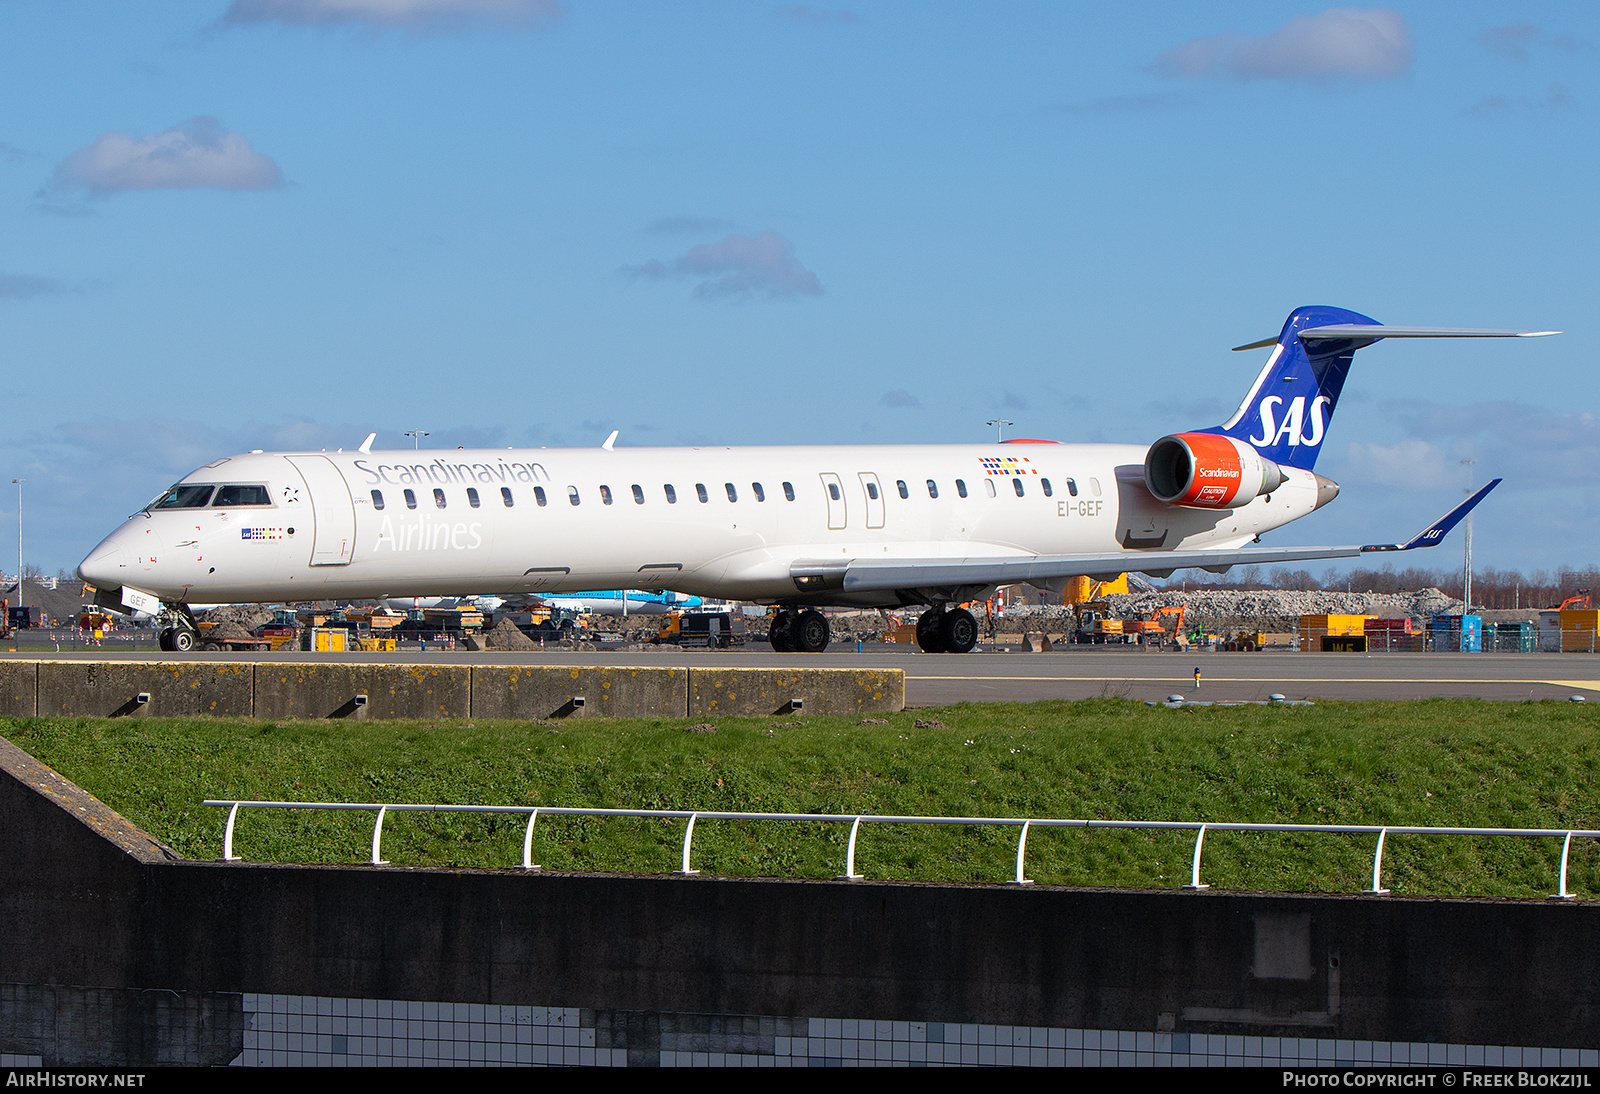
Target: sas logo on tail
<point>1291,431</point>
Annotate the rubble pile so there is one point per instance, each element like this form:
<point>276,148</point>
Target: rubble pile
<point>505,635</point>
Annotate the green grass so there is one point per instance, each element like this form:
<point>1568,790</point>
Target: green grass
<point>1437,762</point>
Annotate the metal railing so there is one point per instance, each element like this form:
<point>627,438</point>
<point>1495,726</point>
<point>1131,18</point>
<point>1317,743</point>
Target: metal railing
<point>1200,828</point>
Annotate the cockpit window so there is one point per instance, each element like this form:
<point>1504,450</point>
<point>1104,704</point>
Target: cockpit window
<point>185,496</point>
<point>242,495</point>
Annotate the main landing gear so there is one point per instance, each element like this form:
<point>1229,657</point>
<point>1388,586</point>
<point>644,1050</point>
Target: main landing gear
<point>799,631</point>
<point>939,631</point>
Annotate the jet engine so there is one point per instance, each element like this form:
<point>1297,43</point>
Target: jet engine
<point>1208,471</point>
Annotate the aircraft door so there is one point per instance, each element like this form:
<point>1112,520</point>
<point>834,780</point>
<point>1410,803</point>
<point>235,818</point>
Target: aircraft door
<point>334,514</point>
<point>873,491</point>
<point>834,490</point>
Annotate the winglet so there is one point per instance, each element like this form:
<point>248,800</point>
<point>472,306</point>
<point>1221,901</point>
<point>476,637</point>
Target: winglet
<point>611,440</point>
<point>1434,533</point>
<point>366,445</point>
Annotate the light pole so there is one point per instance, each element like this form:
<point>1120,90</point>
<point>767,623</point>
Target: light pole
<point>416,436</point>
<point>1466,565</point>
<point>19,483</point>
<point>1000,428</point>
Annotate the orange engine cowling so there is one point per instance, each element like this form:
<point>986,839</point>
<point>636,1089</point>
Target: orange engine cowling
<point>1208,471</point>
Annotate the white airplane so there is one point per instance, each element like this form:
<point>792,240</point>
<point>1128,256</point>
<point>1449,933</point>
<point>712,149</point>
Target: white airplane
<point>799,527</point>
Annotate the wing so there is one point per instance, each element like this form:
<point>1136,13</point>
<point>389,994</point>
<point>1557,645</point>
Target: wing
<point>957,576</point>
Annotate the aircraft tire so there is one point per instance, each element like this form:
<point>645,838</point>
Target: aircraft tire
<point>930,634</point>
<point>182,640</point>
<point>164,640</point>
<point>781,632</point>
<point>811,632</point>
<point>959,629</point>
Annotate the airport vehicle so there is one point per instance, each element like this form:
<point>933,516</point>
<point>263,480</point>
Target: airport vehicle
<point>857,526</point>
<point>713,630</point>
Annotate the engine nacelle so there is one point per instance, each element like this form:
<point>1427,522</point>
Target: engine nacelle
<point>1208,471</point>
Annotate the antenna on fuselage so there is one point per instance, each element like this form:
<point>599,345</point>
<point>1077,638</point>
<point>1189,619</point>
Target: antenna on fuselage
<point>366,445</point>
<point>611,440</point>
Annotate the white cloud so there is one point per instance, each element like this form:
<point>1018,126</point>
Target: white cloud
<point>24,287</point>
<point>1414,464</point>
<point>738,267</point>
<point>1519,39</point>
<point>1338,44</point>
<point>198,154</point>
<point>1554,101</point>
<point>391,14</point>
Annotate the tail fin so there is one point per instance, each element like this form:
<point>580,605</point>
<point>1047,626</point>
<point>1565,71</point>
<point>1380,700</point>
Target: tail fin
<point>1287,412</point>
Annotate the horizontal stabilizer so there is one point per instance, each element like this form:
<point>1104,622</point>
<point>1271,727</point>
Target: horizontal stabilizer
<point>933,574</point>
<point>1335,331</point>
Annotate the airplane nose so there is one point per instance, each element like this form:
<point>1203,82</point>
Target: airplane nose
<point>106,565</point>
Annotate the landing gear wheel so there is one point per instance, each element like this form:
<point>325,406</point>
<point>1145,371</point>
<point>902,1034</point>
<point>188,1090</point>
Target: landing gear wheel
<point>182,640</point>
<point>811,632</point>
<point>930,635</point>
<point>164,640</point>
<point>959,629</point>
<point>781,631</point>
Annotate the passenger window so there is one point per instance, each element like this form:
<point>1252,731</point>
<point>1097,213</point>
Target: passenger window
<point>672,495</point>
<point>1072,488</point>
<point>538,495</point>
<point>1094,487</point>
<point>438,497</point>
<point>1045,483</point>
<point>605,495</point>
<point>733,495</point>
<point>472,496</point>
<point>638,494</point>
<point>242,495</point>
<point>900,484</point>
<point>755,488</point>
<point>833,491</point>
<point>961,487</point>
<point>377,499</point>
<point>872,491</point>
<point>184,497</point>
<point>700,492</point>
<point>988,485</point>
<point>505,497</point>
<point>1017,485</point>
<point>933,489</point>
<point>788,491</point>
<point>411,499</point>
<point>572,495</point>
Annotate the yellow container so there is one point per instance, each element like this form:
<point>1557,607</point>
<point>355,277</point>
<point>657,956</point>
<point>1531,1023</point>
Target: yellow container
<point>329,639</point>
<point>1081,590</point>
<point>1314,627</point>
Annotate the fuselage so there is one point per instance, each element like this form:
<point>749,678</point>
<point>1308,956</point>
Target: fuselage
<point>713,521</point>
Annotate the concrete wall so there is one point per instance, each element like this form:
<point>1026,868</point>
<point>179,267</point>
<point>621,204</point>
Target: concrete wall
<point>90,900</point>
<point>112,688</point>
<point>761,692</point>
<point>330,689</point>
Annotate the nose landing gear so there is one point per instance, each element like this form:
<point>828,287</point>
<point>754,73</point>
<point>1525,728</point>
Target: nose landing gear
<point>180,633</point>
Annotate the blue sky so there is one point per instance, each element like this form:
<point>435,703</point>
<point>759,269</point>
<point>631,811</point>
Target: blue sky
<point>286,223</point>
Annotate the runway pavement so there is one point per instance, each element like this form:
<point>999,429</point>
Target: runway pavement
<point>940,679</point>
